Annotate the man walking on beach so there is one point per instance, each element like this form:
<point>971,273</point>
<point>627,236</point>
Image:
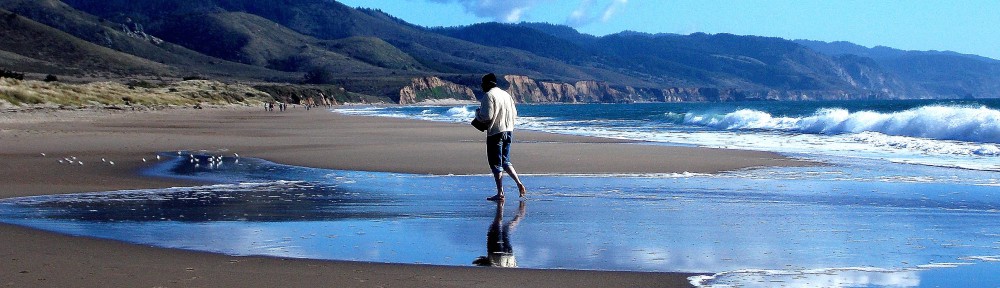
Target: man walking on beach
<point>498,112</point>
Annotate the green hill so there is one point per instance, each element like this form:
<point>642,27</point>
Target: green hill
<point>124,37</point>
<point>376,52</point>
<point>329,20</point>
<point>252,40</point>
<point>368,51</point>
<point>38,43</point>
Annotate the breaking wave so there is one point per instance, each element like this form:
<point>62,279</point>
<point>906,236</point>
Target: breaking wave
<point>461,113</point>
<point>971,124</point>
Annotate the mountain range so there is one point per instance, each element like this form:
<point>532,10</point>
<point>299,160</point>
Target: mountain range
<point>370,52</point>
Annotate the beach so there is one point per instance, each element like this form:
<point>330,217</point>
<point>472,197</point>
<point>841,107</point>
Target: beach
<point>314,138</point>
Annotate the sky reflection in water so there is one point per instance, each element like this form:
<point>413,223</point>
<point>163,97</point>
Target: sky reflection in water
<point>851,225</point>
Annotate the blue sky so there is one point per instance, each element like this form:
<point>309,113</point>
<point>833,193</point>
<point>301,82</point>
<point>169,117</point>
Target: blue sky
<point>965,26</point>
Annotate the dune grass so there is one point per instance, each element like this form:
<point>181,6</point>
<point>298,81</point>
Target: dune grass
<point>26,93</point>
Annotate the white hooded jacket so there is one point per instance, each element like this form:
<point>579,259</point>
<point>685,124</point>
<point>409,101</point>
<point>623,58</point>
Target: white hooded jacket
<point>497,109</point>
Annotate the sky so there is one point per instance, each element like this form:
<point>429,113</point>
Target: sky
<point>964,26</point>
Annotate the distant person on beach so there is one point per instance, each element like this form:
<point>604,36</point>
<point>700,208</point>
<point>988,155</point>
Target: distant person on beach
<point>499,251</point>
<point>497,111</point>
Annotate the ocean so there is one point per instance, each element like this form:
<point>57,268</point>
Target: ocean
<point>908,198</point>
<point>950,133</point>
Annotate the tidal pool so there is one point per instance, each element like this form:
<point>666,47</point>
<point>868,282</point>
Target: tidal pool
<point>842,225</point>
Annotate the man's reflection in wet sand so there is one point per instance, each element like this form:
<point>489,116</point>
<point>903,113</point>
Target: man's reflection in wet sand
<point>501,254</point>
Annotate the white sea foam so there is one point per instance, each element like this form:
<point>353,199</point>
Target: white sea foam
<point>373,111</point>
<point>452,114</point>
<point>364,110</point>
<point>460,113</point>
<point>947,136</point>
<point>969,124</point>
<point>625,175</point>
<point>981,258</point>
<point>927,145</point>
<point>943,265</point>
<point>832,277</point>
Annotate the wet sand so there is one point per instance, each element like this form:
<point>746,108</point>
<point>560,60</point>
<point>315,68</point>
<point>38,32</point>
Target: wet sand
<point>314,138</point>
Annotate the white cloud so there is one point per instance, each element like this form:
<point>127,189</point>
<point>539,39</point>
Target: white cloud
<point>589,11</point>
<point>613,9</point>
<point>514,15</point>
<point>579,16</point>
<point>498,10</point>
<point>584,13</point>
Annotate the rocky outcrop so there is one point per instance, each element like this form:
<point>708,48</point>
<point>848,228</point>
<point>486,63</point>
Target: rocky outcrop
<point>136,31</point>
<point>430,88</point>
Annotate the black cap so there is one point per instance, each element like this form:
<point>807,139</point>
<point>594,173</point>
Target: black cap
<point>490,78</point>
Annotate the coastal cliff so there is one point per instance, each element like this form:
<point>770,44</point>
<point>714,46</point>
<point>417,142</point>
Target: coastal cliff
<point>524,89</point>
<point>429,88</point>
<point>527,90</point>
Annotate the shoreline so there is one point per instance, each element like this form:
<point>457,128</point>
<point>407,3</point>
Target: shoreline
<point>316,138</point>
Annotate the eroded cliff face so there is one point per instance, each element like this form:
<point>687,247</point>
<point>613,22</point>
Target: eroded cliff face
<point>429,88</point>
<point>527,90</point>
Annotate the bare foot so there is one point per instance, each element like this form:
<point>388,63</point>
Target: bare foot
<point>498,197</point>
<point>520,187</point>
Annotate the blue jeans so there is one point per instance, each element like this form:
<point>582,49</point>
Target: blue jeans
<point>498,150</point>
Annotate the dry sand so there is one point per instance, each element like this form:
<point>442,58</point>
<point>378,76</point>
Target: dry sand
<point>314,138</point>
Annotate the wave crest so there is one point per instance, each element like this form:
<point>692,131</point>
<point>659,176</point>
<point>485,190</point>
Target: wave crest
<point>973,124</point>
<point>461,112</point>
